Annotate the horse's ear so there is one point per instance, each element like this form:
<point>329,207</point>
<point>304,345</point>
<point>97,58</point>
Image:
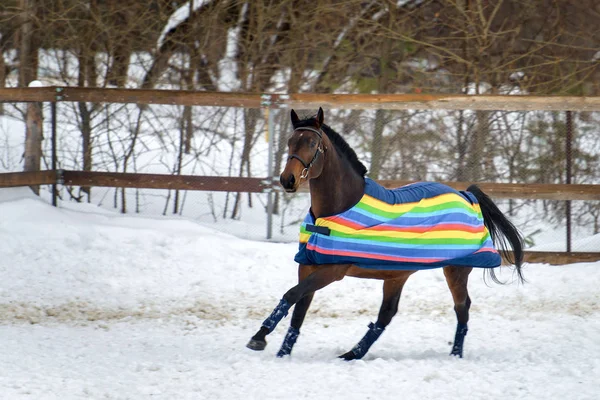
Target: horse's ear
<point>295,118</point>
<point>320,117</point>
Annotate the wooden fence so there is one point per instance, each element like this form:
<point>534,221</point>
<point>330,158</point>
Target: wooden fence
<point>529,191</point>
<point>262,185</point>
<point>56,94</point>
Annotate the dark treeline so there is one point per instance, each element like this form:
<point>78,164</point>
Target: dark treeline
<point>543,46</point>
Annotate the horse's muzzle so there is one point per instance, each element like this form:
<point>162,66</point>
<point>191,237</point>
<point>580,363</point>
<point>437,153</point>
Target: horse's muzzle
<point>288,183</point>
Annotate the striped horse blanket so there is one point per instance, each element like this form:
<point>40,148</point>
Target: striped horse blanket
<point>419,226</point>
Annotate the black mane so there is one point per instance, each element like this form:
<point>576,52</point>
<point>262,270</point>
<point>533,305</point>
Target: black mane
<point>338,141</point>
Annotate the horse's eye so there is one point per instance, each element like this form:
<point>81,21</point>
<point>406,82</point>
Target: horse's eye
<point>313,143</point>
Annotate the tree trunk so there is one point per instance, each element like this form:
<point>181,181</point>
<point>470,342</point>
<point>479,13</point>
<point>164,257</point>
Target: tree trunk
<point>380,115</point>
<point>27,50</point>
<point>377,145</point>
<point>128,155</point>
<point>86,139</point>
<point>279,152</point>
<point>33,139</point>
<point>462,148</point>
<point>474,167</point>
<point>117,74</point>
<point>87,77</point>
<point>185,134</point>
<point>189,129</point>
<point>2,76</point>
<point>28,73</point>
<point>250,121</point>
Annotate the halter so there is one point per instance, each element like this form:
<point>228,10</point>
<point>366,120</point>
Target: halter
<point>319,151</point>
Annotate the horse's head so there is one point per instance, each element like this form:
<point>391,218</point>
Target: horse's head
<point>305,149</point>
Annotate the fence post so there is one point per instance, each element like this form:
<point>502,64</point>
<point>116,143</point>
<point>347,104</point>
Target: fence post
<point>270,134</point>
<point>569,161</point>
<point>54,161</point>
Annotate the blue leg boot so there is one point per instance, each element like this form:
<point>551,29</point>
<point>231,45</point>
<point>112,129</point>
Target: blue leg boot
<point>258,341</point>
<point>459,339</point>
<point>358,351</point>
<point>277,315</point>
<point>288,342</point>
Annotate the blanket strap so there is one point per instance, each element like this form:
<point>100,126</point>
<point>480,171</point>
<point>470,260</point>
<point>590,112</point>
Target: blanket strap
<point>323,230</point>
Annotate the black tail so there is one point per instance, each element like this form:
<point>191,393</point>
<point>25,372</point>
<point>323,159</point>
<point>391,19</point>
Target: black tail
<point>502,231</point>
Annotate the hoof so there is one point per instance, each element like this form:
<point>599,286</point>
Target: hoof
<point>349,356</point>
<point>256,345</point>
<point>457,353</point>
<point>281,354</point>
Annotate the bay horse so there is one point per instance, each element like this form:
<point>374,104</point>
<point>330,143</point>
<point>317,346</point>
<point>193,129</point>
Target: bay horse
<point>357,228</point>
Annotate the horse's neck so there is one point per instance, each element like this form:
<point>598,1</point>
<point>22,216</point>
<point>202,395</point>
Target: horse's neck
<point>338,188</point>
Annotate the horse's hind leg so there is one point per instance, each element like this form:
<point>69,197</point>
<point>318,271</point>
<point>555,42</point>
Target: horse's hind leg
<point>318,279</point>
<point>457,278</point>
<point>392,290</point>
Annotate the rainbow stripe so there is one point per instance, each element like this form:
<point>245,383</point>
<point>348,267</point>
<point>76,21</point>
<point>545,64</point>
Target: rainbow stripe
<point>418,226</point>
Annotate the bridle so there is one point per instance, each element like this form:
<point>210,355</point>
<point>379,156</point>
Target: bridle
<point>318,152</point>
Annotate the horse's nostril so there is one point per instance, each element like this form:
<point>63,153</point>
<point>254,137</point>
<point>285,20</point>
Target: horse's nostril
<point>287,183</point>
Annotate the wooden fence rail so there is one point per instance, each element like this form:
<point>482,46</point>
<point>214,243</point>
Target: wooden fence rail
<point>162,181</point>
<point>560,257</point>
<point>303,100</point>
<point>15,179</point>
<point>531,191</point>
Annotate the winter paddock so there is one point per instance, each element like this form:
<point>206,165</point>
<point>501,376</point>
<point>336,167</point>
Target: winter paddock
<point>83,318</point>
<point>101,305</point>
<point>157,127</point>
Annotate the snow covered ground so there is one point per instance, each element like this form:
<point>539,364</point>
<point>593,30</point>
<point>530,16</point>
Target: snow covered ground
<point>97,305</point>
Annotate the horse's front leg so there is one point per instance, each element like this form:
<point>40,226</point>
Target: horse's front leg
<point>392,290</point>
<point>300,310</point>
<point>318,278</point>
<point>293,332</point>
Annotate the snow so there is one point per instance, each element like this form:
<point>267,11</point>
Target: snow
<point>553,240</point>
<point>517,76</point>
<point>98,305</point>
<point>227,66</point>
<point>36,83</point>
<point>179,16</point>
<point>12,135</point>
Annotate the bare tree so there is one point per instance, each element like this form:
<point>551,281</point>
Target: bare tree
<point>27,73</point>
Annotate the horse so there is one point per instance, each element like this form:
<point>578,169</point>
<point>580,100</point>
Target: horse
<point>426,225</point>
